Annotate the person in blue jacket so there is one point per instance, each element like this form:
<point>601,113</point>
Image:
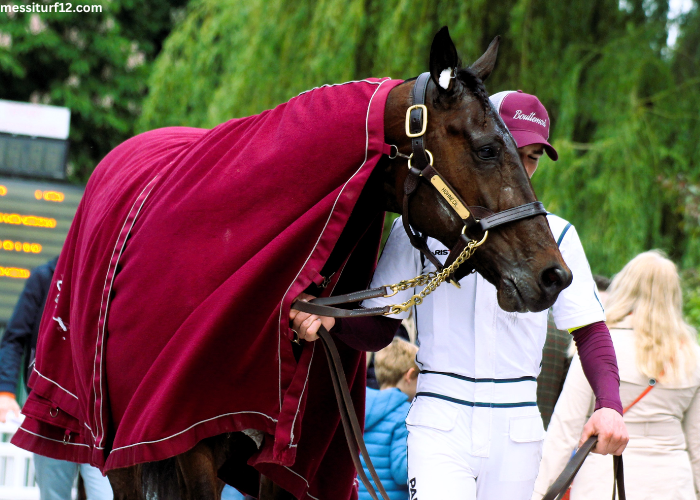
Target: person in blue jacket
<point>385,415</point>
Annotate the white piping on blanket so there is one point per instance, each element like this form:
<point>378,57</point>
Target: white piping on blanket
<point>304,479</point>
<point>279,336</point>
<point>54,440</point>
<point>55,383</point>
<point>60,323</point>
<point>100,430</point>
<point>328,85</point>
<point>190,427</point>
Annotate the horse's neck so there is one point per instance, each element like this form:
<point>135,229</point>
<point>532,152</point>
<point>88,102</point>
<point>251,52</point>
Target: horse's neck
<point>383,190</point>
<point>394,171</point>
<point>369,206</point>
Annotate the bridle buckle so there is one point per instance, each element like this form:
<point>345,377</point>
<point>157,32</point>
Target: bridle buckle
<point>424,109</point>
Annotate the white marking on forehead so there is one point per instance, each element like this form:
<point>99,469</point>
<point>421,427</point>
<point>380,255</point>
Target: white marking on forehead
<point>445,78</point>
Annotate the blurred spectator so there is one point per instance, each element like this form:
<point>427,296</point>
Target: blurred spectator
<point>230,493</point>
<point>385,415</point>
<point>659,363</point>
<point>401,333</point>
<point>54,477</point>
<point>555,365</point>
<point>602,283</point>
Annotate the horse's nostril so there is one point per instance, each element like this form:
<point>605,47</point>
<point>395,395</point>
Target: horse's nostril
<point>554,278</point>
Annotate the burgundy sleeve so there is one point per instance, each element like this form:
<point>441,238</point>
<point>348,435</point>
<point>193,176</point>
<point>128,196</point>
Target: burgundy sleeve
<point>597,354</point>
<point>370,333</point>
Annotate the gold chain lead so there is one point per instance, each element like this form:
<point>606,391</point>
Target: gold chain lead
<point>432,279</point>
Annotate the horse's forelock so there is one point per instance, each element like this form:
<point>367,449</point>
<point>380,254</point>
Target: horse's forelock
<point>474,84</point>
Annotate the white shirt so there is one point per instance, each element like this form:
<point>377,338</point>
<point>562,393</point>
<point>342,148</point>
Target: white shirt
<point>465,333</point>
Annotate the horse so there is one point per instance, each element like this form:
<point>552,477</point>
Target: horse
<point>458,132</point>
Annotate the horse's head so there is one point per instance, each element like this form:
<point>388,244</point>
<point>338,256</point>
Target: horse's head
<point>474,152</point>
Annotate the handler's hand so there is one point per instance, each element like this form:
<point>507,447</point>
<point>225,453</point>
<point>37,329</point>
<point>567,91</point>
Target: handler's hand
<point>608,425</point>
<point>306,325</point>
<point>8,404</point>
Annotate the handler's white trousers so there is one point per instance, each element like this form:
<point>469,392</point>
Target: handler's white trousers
<point>458,452</point>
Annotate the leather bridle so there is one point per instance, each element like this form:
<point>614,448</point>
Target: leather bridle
<point>420,167</point>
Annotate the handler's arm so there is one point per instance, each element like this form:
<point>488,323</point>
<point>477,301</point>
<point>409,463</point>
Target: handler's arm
<point>597,354</point>
<point>579,305</point>
<point>399,260</point>
<point>364,334</point>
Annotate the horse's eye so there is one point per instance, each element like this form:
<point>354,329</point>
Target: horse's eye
<point>487,153</point>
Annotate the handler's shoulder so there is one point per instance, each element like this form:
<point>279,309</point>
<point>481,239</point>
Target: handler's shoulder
<point>559,226</point>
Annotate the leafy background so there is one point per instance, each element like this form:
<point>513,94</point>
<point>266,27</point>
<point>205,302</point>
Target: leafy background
<point>623,101</point>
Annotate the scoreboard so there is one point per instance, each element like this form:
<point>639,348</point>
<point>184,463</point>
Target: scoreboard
<point>35,217</point>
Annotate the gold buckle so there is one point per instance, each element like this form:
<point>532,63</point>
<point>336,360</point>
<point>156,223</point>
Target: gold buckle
<point>430,157</point>
<point>408,120</point>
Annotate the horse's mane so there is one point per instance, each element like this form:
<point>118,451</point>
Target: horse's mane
<point>473,83</point>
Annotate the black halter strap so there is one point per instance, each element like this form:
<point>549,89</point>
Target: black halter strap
<point>417,122</point>
<point>420,166</point>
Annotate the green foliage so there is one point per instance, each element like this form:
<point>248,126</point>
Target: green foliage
<point>623,104</point>
<point>94,63</point>
<point>691,297</point>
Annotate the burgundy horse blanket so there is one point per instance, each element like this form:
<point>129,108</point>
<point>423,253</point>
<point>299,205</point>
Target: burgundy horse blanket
<point>167,321</point>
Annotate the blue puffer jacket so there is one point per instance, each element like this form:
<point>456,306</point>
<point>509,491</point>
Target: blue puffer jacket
<point>385,436</point>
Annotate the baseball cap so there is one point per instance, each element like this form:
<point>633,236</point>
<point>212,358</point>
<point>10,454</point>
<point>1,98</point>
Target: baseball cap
<point>526,119</point>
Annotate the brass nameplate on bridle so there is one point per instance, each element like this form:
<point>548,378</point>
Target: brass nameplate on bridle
<point>449,196</point>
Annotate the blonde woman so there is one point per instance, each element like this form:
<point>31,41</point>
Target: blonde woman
<point>659,359</point>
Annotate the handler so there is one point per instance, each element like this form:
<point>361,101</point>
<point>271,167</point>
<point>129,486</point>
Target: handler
<point>474,428</point>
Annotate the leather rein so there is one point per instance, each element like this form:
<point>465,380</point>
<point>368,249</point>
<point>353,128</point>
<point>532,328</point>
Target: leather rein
<point>420,168</point>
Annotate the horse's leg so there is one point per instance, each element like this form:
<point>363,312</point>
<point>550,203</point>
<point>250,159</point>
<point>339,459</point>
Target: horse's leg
<point>126,483</point>
<point>189,476</point>
<point>270,491</point>
<point>198,472</point>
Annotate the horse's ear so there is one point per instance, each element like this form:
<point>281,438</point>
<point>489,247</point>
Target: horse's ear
<point>444,60</point>
<point>484,65</point>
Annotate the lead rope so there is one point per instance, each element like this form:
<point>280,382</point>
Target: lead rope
<point>432,280</point>
<point>561,485</point>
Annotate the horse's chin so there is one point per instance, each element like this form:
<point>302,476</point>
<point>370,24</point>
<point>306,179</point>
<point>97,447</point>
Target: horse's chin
<point>517,297</point>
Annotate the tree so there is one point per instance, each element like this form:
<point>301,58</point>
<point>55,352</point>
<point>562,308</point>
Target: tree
<point>620,100</point>
<point>95,63</point>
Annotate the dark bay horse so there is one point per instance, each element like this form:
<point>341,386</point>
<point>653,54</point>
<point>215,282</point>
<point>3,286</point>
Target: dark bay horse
<point>475,154</point>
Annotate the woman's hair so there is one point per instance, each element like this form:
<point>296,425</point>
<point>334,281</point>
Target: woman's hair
<point>649,287</point>
<point>392,362</point>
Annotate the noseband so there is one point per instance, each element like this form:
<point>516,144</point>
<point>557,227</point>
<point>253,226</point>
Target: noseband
<point>420,166</point>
